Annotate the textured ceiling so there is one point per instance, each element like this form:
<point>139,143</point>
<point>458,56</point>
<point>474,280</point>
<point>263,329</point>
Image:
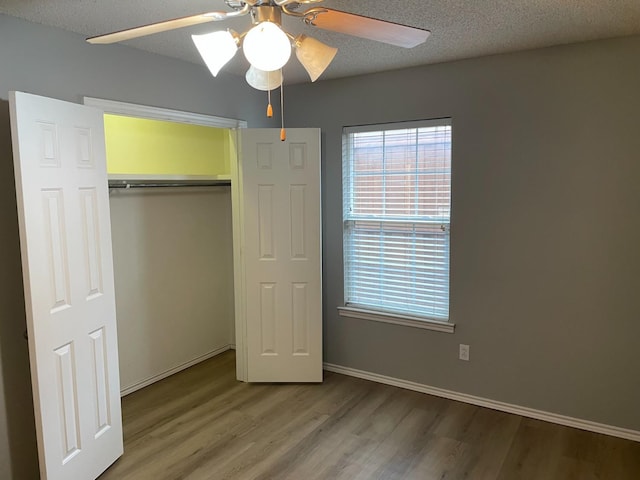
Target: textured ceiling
<point>459,28</point>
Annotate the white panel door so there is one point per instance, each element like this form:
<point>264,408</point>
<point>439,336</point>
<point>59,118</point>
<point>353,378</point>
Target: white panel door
<point>281,296</point>
<point>65,239</point>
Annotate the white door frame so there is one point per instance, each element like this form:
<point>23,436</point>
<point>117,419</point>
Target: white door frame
<point>157,113</point>
<point>178,116</point>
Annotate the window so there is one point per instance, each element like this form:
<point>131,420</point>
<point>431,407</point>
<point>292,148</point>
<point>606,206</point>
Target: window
<point>396,212</point>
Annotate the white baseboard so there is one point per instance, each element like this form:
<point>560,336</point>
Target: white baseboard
<point>160,376</point>
<point>488,403</point>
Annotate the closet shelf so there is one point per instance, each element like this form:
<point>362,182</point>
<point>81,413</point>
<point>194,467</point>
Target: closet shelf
<point>135,181</point>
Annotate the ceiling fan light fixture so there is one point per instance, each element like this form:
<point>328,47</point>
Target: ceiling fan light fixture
<point>262,80</point>
<point>314,55</point>
<point>267,47</point>
<point>216,48</point>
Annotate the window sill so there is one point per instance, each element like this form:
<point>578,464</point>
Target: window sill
<point>396,319</point>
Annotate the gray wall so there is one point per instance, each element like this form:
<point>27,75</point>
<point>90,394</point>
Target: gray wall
<point>545,224</point>
<point>545,246</point>
<point>58,64</point>
<point>18,455</point>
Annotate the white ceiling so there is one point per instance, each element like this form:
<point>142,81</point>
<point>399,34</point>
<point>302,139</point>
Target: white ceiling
<point>459,28</point>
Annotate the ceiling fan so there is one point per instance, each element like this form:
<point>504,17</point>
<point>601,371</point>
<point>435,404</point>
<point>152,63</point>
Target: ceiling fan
<point>268,13</point>
<point>267,46</point>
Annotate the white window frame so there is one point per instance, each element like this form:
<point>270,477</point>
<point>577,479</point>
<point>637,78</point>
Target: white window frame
<point>368,312</point>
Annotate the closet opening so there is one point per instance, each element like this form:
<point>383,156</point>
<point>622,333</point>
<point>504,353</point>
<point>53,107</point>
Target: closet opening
<point>172,238</point>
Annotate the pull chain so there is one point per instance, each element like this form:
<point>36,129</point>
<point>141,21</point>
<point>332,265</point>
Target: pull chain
<point>269,107</point>
<point>283,133</point>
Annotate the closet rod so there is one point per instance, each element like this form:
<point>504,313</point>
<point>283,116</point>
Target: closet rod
<point>128,185</point>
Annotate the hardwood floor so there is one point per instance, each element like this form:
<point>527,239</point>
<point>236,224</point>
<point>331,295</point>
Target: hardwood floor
<point>201,424</point>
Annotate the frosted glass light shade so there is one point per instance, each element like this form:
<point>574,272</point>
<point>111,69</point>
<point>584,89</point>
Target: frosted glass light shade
<point>314,55</point>
<point>261,80</point>
<point>216,49</point>
<point>267,47</point>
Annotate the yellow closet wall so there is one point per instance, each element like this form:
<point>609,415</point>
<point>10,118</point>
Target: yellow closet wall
<point>157,149</point>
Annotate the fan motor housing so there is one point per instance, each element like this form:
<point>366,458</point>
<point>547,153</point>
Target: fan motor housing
<point>266,13</point>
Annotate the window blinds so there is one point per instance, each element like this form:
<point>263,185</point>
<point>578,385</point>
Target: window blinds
<point>396,212</point>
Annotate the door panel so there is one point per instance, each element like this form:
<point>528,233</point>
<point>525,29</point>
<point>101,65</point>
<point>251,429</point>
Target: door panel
<point>281,254</point>
<point>65,239</point>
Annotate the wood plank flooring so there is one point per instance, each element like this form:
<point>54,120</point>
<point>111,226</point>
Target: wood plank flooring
<point>201,424</point>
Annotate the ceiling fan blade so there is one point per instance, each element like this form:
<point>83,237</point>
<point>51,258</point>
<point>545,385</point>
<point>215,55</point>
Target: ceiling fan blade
<point>369,28</point>
<point>136,32</point>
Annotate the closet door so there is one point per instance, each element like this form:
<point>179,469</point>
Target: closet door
<point>65,241</point>
<point>280,285</point>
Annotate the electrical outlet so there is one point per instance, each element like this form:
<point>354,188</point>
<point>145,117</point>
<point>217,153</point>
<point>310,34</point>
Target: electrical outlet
<point>464,352</point>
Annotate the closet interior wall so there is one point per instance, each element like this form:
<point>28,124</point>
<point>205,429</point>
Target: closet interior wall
<point>173,267</point>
